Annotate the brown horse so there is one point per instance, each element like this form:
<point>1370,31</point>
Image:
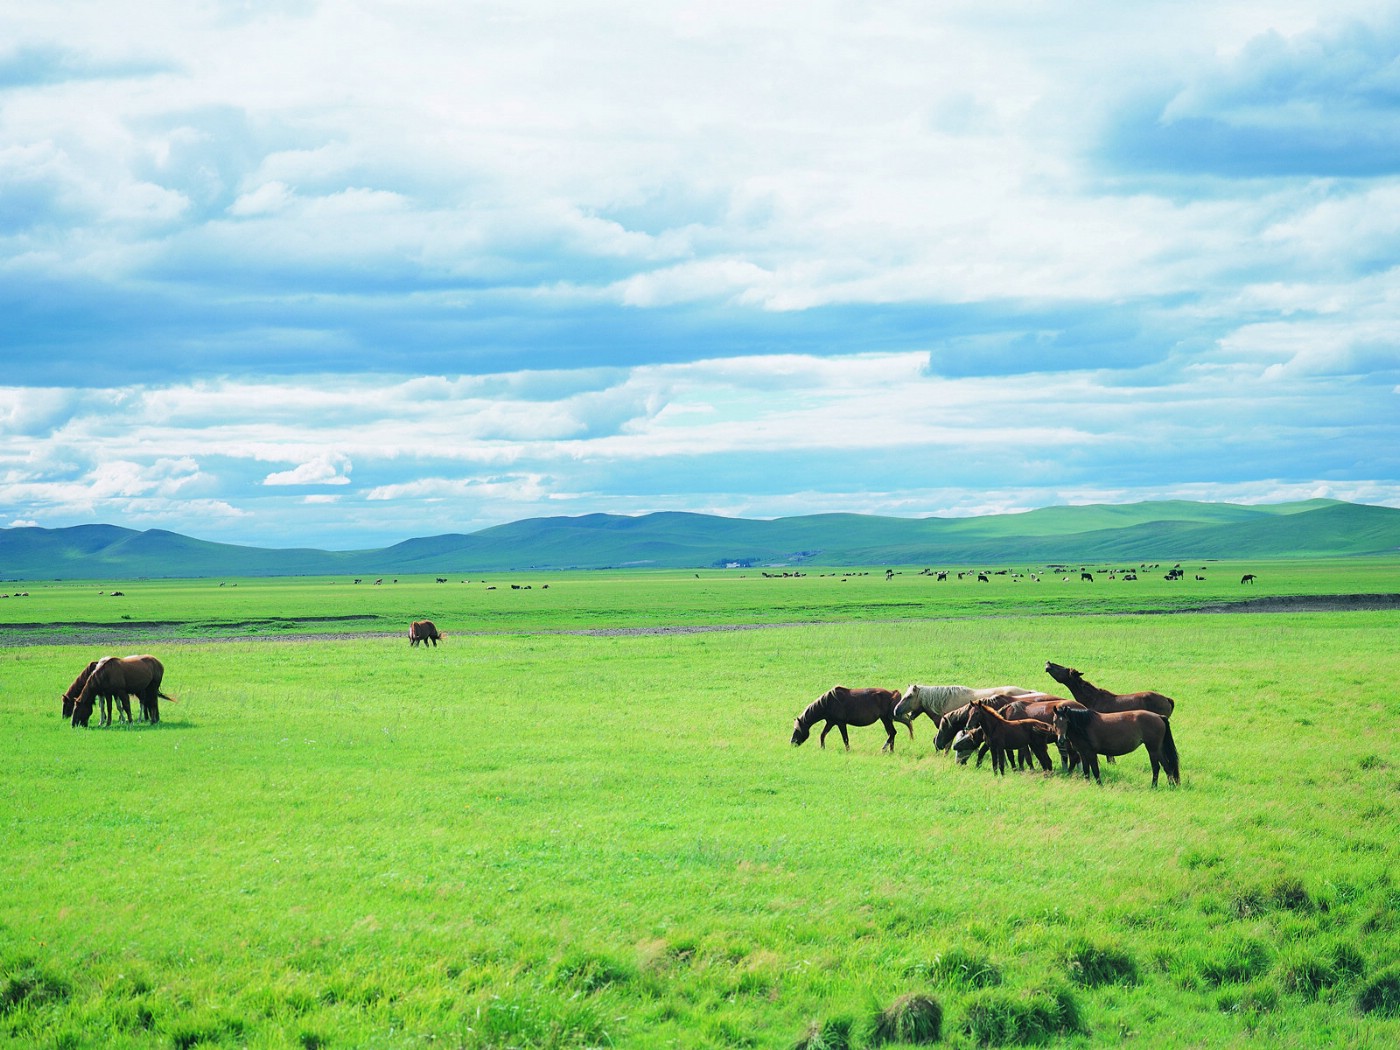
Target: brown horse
<point>1005,735</point>
<point>1043,707</point>
<point>424,631</point>
<point>71,694</point>
<point>841,707</point>
<point>120,677</point>
<point>1119,733</point>
<point>1101,700</point>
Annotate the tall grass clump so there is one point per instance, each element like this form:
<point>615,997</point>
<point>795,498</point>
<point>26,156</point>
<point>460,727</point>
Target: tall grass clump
<point>1381,994</point>
<point>909,1019</point>
<point>999,1017</point>
<point>1092,965</point>
<point>832,1034</point>
<point>960,968</point>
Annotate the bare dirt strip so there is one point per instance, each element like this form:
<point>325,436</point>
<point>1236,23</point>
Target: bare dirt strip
<point>166,632</point>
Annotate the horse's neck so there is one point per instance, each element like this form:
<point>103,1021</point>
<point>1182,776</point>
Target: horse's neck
<point>1087,693</point>
<point>815,710</point>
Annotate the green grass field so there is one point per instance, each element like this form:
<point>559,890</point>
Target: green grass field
<point>533,837</point>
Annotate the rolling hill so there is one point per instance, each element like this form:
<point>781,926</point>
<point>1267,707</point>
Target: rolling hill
<point>1160,531</point>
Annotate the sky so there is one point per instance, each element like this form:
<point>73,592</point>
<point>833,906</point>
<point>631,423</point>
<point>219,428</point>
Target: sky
<point>337,274</point>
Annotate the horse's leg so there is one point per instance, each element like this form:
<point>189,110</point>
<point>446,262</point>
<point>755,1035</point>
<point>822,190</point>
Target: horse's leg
<point>1094,758</point>
<point>1042,754</point>
<point>1155,757</point>
<point>826,729</point>
<point>844,738</point>
<point>889,728</point>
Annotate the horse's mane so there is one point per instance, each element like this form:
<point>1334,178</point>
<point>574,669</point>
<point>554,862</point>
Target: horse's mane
<point>1075,716</point>
<point>940,692</point>
<point>816,709</point>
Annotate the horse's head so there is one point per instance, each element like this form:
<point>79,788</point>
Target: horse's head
<point>907,708</point>
<point>1060,673</point>
<point>965,743</point>
<point>799,732</point>
<point>68,702</point>
<point>82,711</point>
<point>976,714</point>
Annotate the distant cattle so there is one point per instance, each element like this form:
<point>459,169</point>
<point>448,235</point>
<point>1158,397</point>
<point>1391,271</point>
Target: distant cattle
<point>1088,576</point>
<point>423,631</point>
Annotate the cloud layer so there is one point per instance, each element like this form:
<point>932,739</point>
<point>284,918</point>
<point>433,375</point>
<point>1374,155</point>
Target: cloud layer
<point>341,273</point>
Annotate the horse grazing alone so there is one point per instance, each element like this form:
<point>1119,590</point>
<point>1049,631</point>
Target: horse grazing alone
<point>423,631</point>
<point>1101,700</point>
<point>937,700</point>
<point>1004,735</point>
<point>117,678</point>
<point>1119,733</point>
<point>841,707</point>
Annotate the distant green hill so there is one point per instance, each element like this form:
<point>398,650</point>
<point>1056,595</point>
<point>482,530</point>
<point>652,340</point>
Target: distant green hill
<point>1129,533</point>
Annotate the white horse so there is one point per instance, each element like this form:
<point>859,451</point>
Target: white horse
<point>937,700</point>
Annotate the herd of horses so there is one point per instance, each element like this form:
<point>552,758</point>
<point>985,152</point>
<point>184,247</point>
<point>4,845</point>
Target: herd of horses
<point>1013,724</point>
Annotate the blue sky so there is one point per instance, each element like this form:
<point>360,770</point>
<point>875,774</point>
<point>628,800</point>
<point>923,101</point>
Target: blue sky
<point>337,274</point>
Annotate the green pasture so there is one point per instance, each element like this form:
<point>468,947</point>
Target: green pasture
<point>532,602</point>
<point>536,837</point>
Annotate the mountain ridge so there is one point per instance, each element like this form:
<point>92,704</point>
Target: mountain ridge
<point>1149,531</point>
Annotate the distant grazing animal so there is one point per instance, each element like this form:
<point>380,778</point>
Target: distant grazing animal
<point>982,578</point>
<point>937,700</point>
<point>1102,700</point>
<point>1006,735</point>
<point>1247,578</point>
<point>120,677</point>
<point>1087,576</point>
<point>423,631</point>
<point>1119,733</point>
<point>841,707</point>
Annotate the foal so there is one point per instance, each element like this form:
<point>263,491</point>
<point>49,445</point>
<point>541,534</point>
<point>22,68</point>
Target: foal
<point>1005,735</point>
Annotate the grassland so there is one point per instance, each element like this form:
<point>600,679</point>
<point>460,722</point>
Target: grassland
<point>533,836</point>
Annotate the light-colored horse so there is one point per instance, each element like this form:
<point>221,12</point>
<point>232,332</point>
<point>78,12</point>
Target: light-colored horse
<point>937,700</point>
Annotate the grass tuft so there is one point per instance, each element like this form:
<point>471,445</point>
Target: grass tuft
<point>832,1034</point>
<point>1381,994</point>
<point>959,968</point>
<point>26,985</point>
<point>909,1019</point>
<point>1092,965</point>
<point>996,1017</point>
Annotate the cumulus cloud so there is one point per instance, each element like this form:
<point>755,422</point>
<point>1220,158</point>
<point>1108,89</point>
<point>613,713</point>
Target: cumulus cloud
<point>759,259</point>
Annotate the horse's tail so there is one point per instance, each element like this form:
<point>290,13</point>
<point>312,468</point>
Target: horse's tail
<point>1171,762</point>
<point>162,696</point>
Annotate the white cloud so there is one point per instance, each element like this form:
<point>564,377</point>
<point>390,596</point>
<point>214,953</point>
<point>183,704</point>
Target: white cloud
<point>330,469</point>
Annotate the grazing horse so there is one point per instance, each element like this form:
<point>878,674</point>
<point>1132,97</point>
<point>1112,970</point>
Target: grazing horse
<point>1247,578</point>
<point>71,694</point>
<point>1102,700</point>
<point>1119,733</point>
<point>841,707</point>
<point>119,677</point>
<point>423,631</point>
<point>1005,735</point>
<point>937,700</point>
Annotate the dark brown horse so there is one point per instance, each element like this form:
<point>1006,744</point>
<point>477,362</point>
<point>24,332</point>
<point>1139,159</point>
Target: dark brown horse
<point>1101,700</point>
<point>1119,733</point>
<point>120,677</point>
<point>1004,735</point>
<point>424,631</point>
<point>842,707</point>
<point>71,694</point>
